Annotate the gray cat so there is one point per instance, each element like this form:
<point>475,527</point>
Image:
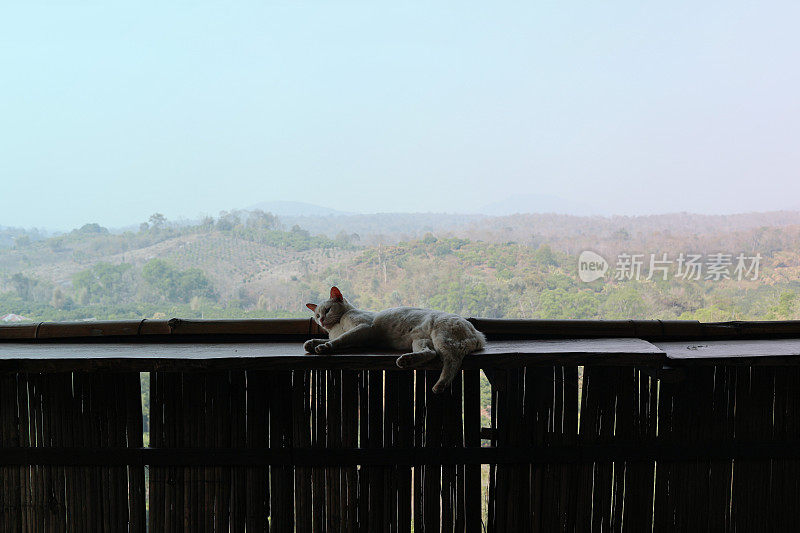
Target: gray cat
<point>427,333</point>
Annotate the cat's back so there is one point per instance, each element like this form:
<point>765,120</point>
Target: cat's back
<point>399,326</point>
<point>411,315</point>
<point>410,320</point>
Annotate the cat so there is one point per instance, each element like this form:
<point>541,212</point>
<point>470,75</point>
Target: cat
<point>425,332</point>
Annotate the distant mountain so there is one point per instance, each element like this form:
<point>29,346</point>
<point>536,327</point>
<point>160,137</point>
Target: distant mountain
<point>538,203</point>
<point>295,209</point>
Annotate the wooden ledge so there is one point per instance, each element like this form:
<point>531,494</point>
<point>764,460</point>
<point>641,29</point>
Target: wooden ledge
<point>734,352</point>
<point>147,357</point>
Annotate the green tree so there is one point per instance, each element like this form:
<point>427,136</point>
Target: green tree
<point>228,221</point>
<point>102,282</point>
<point>58,300</point>
<point>300,232</point>
<point>544,256</point>
<point>785,307</point>
<point>91,229</point>
<point>176,285</point>
<point>260,220</point>
<point>22,285</point>
<point>624,303</point>
<point>157,220</point>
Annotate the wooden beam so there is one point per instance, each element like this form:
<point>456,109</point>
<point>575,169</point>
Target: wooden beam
<point>582,453</point>
<point>273,329</point>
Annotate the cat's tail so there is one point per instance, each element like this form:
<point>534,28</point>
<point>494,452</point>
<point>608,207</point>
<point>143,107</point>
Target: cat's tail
<point>452,341</point>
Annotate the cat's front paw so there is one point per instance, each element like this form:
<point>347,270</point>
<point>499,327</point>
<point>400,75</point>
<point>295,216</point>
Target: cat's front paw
<point>323,348</point>
<point>311,344</point>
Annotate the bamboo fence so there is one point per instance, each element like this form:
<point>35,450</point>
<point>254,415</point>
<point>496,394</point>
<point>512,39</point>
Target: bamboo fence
<point>642,441</point>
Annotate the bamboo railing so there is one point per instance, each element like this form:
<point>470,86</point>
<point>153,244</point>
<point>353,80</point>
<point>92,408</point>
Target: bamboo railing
<point>623,426</point>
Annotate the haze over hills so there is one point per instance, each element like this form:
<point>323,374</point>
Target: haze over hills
<point>539,203</point>
<point>320,219</point>
<point>521,227</point>
<point>383,227</point>
<point>295,209</point>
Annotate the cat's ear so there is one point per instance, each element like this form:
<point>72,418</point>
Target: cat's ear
<point>336,295</point>
<point>312,306</point>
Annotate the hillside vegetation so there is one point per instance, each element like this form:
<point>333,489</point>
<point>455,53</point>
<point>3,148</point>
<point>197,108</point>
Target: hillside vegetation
<point>250,264</point>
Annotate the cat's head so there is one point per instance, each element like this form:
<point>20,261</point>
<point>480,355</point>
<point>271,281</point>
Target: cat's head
<point>328,313</point>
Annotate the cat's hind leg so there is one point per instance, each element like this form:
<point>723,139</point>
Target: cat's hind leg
<point>452,350</point>
<point>423,353</point>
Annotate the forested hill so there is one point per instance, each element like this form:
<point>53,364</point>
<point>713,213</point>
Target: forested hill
<point>253,264</point>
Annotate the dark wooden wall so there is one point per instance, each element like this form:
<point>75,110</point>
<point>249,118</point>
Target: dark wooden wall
<point>70,410</point>
<point>711,434</point>
<point>605,449</point>
<point>321,411</point>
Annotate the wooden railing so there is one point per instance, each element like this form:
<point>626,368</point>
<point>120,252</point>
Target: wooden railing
<point>630,425</point>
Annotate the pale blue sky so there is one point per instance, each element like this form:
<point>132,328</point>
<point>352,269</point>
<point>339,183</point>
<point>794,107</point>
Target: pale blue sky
<point>110,111</point>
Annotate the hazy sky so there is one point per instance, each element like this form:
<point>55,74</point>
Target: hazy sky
<point>110,111</point>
